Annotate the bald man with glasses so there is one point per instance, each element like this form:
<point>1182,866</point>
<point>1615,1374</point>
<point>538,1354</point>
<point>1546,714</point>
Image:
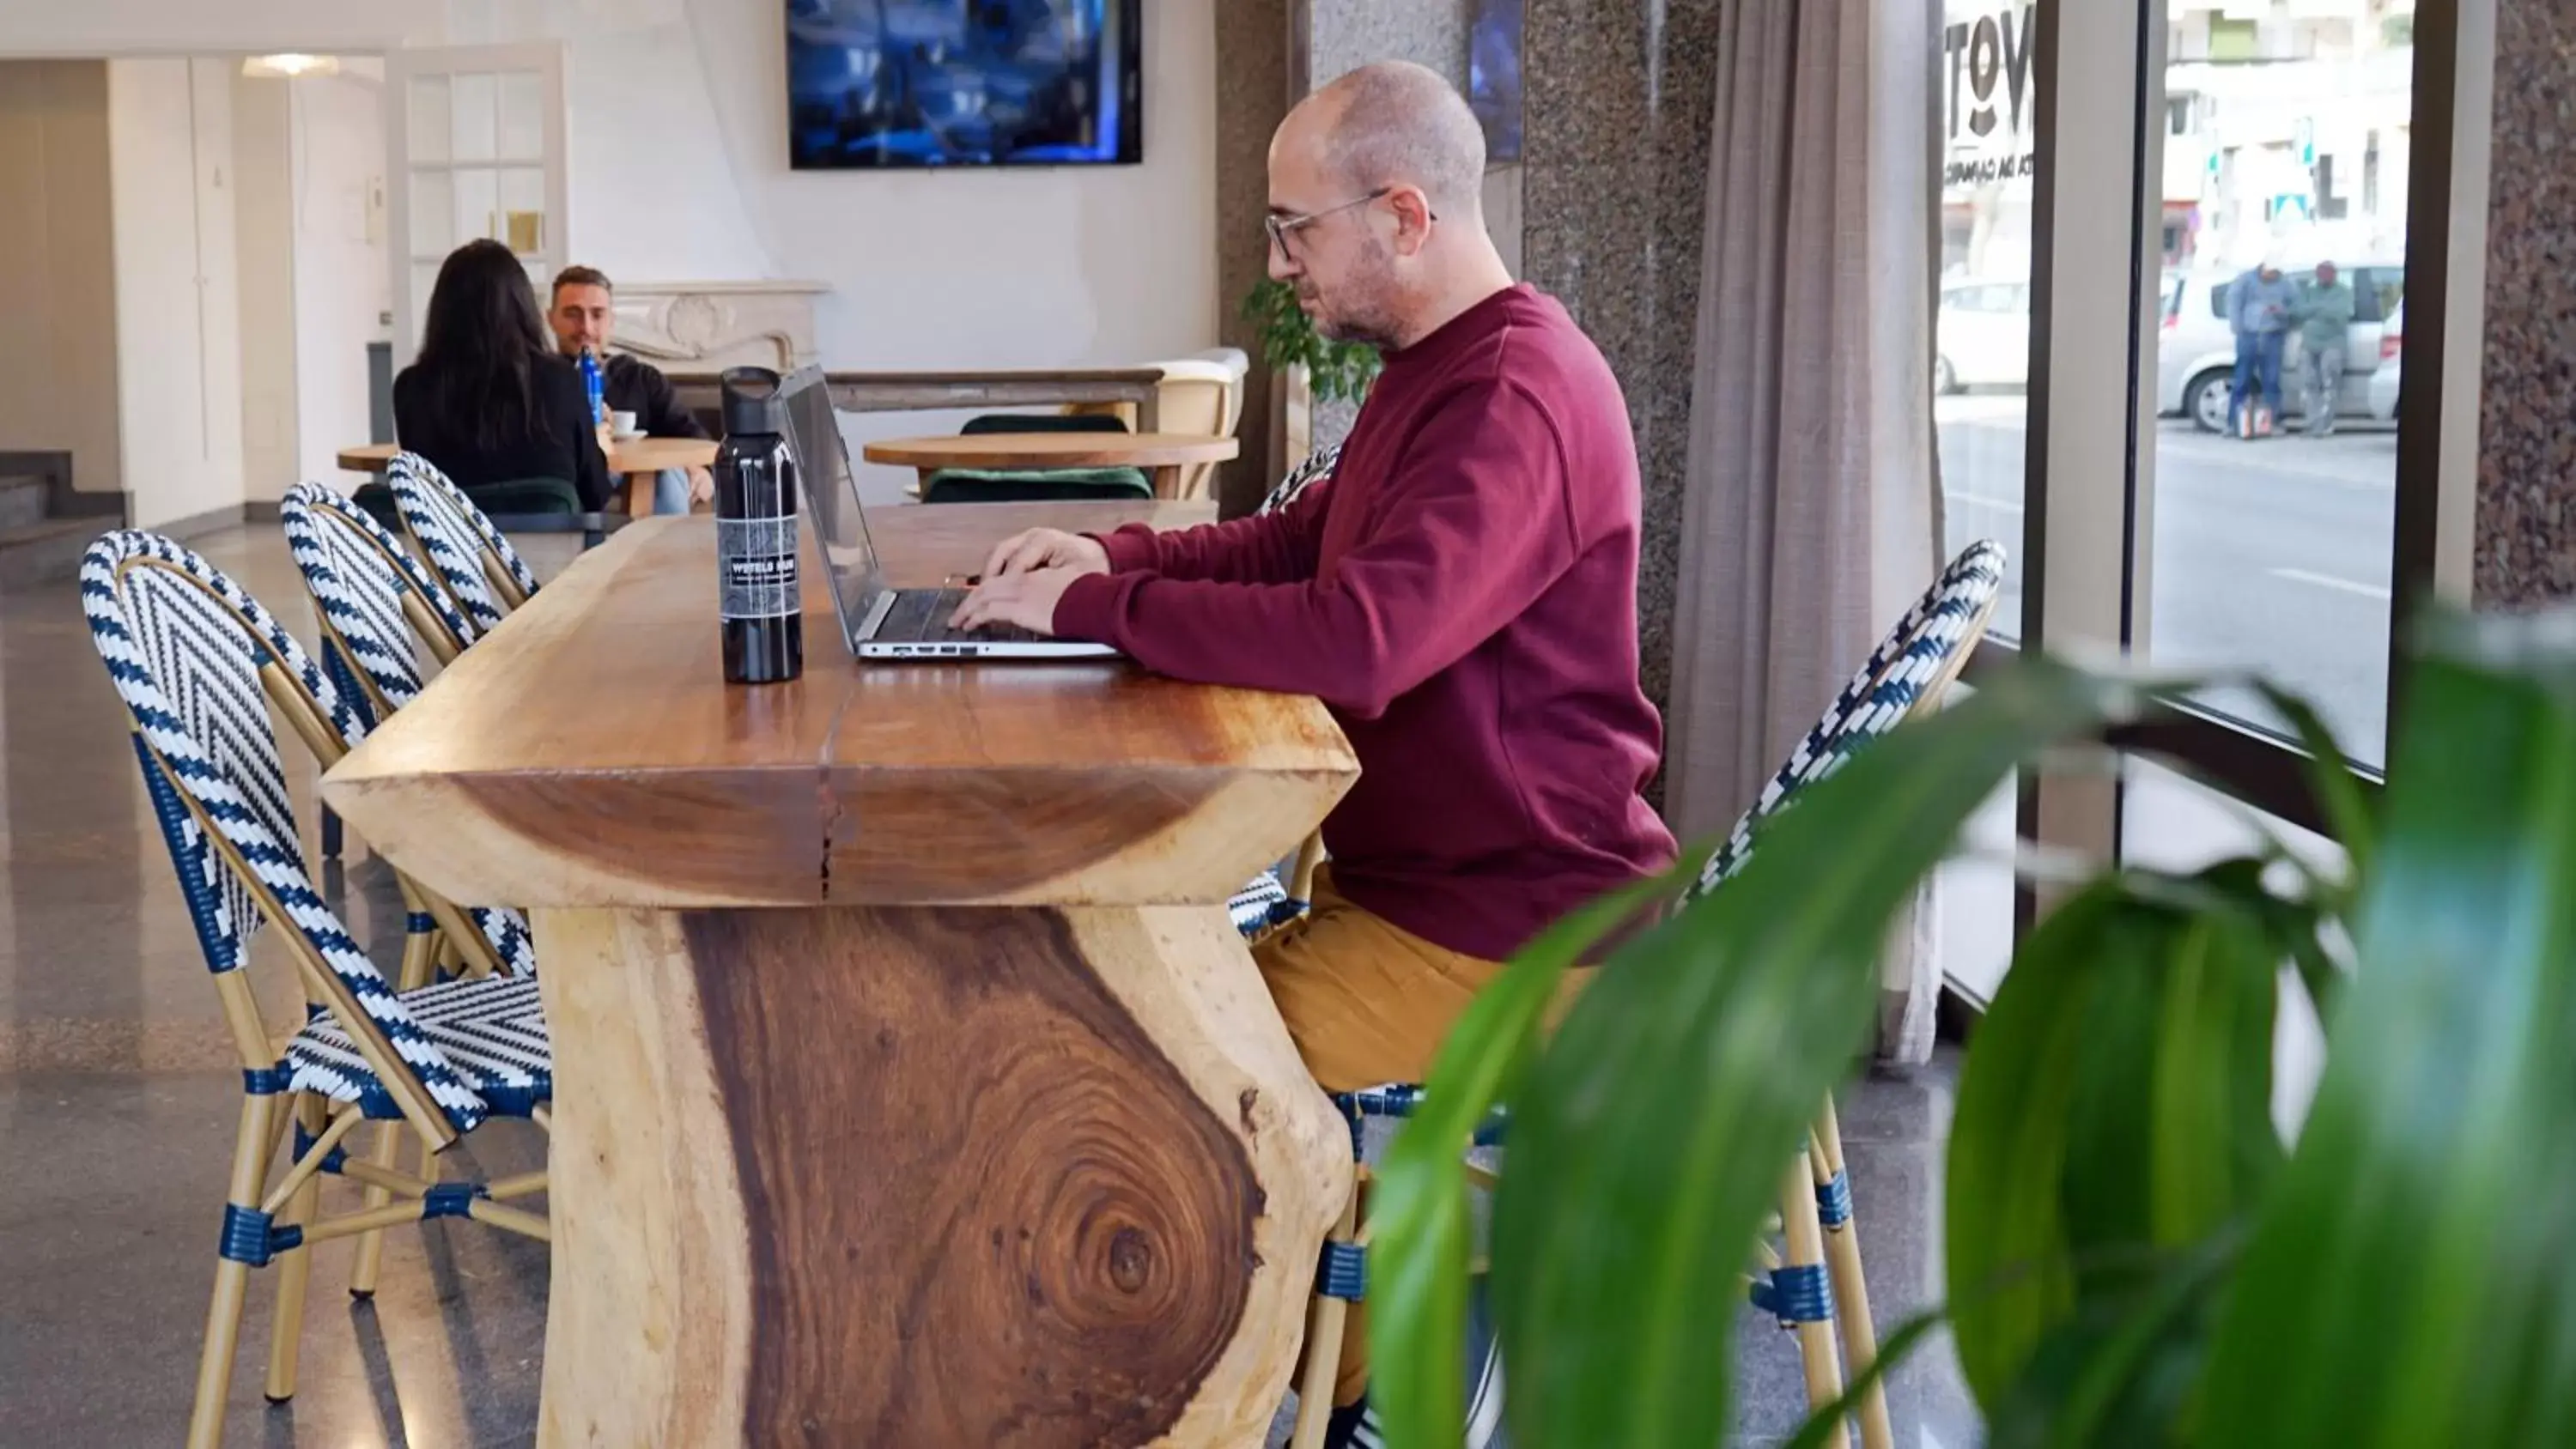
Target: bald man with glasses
<point>1462,594</point>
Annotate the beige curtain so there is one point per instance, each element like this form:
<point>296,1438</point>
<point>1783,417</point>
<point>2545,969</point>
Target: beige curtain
<point>1810,511</point>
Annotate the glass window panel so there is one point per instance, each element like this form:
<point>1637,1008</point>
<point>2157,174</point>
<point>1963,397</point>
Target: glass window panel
<point>523,115</point>
<point>478,202</point>
<point>2273,551</point>
<point>1989,124</point>
<point>477,120</point>
<point>429,124</point>
<point>433,214</point>
<point>424,279</point>
<point>523,209</point>
<point>1975,889</point>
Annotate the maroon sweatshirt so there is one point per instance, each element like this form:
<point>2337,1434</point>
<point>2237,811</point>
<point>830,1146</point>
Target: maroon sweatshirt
<point>1462,593</point>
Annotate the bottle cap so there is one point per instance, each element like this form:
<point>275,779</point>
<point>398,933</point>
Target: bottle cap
<point>752,406</point>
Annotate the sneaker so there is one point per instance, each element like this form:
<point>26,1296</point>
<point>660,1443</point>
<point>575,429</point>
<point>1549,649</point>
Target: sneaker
<point>1353,1427</point>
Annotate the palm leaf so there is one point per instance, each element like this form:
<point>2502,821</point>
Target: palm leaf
<point>2413,1278</point>
<point>1652,1133</point>
<point>2114,1107</point>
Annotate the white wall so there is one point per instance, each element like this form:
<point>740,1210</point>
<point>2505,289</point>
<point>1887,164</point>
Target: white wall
<point>177,306</point>
<point>264,225</point>
<point>678,155</point>
<point>343,288</point>
<point>57,278</point>
<point>1029,268</point>
<point>166,27</point>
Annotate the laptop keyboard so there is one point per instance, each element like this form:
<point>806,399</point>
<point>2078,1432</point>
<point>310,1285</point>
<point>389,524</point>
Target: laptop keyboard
<point>920,616</point>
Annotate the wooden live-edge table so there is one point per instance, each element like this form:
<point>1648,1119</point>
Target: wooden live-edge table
<point>637,460</point>
<point>1162,456</point>
<point>911,1085</point>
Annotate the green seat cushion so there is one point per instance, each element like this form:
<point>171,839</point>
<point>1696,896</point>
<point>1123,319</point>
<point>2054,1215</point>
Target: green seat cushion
<point>523,497</point>
<point>1044,485</point>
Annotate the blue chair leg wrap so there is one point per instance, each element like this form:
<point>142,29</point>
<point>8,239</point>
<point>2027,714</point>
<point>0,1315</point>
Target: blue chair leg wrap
<point>1796,1293</point>
<point>250,1238</point>
<point>304,1141</point>
<point>450,1200</point>
<point>419,923</point>
<point>1833,1202</point>
<point>1343,1273</point>
<point>264,1081</point>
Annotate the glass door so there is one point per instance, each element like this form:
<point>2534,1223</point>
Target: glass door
<point>477,146</point>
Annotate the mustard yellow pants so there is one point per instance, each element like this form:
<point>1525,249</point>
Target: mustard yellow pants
<point>1367,1002</point>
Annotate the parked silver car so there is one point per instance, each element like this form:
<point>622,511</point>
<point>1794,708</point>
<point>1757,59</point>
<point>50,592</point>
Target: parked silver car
<point>2196,351</point>
<point>2384,382</point>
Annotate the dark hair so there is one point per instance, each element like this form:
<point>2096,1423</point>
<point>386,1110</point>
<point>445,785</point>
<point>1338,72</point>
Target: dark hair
<point>481,344</point>
<point>583,277</point>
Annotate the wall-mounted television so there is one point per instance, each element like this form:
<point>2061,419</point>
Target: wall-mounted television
<point>875,84</point>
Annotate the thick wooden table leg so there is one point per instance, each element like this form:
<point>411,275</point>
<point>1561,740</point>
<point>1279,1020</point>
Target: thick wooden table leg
<point>924,1176</point>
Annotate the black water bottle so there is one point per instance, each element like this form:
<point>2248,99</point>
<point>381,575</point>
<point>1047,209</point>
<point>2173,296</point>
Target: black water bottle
<point>761,608</point>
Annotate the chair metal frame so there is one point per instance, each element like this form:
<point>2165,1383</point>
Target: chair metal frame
<point>1813,1284</point>
<point>237,871</point>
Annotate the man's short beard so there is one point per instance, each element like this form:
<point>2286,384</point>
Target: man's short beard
<point>1368,329</point>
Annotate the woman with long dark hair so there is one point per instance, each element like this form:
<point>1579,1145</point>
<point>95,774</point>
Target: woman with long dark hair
<point>489,400</point>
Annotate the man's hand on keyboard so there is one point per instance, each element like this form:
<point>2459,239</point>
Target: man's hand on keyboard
<point>1046,548</point>
<point>1025,599</point>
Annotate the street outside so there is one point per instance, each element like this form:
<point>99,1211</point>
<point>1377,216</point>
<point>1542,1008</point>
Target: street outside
<point>2272,554</point>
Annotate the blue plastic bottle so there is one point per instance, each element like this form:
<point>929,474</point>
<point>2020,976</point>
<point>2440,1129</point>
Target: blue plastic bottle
<point>595,385</point>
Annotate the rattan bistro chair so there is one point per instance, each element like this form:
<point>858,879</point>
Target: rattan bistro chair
<point>199,665</point>
<point>327,554</point>
<point>371,601</point>
<point>483,576</point>
<point>1814,1280</point>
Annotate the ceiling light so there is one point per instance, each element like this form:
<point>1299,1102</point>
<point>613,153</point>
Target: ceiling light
<point>289,65</point>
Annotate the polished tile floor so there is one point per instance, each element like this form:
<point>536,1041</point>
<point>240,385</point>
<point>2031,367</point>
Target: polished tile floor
<point>118,1095</point>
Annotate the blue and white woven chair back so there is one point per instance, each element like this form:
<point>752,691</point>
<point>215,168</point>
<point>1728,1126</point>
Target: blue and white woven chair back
<point>358,576</point>
<point>184,646</point>
<point>1318,465</point>
<point>458,539</point>
<point>1905,673</point>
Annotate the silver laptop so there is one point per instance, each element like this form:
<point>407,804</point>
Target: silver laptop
<point>877,621</point>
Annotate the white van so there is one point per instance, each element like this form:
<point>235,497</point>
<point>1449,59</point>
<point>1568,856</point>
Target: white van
<point>2196,350</point>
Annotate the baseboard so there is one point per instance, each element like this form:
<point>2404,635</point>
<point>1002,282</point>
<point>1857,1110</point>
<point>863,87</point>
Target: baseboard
<point>262,510</point>
<point>197,525</point>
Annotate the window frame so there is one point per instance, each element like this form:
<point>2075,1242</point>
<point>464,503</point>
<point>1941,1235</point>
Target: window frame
<point>2085,559</point>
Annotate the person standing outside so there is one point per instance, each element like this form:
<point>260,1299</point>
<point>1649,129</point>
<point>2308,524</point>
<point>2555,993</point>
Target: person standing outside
<point>2324,314</point>
<point>2258,308</point>
<point>583,313</point>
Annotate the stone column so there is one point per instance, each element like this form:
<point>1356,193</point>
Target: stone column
<point>2526,532</point>
<point>1620,97</point>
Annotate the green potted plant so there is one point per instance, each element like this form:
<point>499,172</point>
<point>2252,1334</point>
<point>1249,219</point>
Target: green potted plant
<point>1335,371</point>
<point>2135,1254</point>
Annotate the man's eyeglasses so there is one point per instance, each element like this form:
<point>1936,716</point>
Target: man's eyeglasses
<point>1281,227</point>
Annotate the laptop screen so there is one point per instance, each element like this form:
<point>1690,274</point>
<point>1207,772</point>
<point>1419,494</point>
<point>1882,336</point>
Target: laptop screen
<point>831,495</point>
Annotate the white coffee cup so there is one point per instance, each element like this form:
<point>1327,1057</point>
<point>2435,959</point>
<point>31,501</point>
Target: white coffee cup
<point>622,424</point>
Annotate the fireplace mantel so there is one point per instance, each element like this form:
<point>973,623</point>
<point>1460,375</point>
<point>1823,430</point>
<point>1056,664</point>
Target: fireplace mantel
<point>704,326</point>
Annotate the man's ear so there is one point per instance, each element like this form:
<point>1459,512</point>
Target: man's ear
<point>1412,219</point>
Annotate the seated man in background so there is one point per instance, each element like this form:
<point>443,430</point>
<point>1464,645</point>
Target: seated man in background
<point>1462,593</point>
<point>583,313</point>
